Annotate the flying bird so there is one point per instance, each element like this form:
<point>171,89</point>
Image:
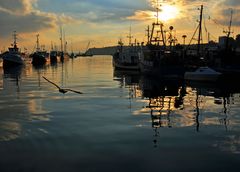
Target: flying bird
<point>62,90</point>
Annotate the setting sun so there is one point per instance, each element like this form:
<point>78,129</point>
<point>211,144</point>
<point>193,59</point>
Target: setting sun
<point>168,12</point>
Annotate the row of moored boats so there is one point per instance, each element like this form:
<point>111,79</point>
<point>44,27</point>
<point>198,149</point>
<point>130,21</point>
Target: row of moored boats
<point>14,57</point>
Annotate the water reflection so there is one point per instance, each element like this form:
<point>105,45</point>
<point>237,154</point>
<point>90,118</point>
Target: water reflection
<point>119,115</point>
<point>179,104</point>
<point>10,78</point>
<point>13,74</point>
<point>19,103</point>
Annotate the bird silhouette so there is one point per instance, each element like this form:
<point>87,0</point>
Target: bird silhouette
<point>62,90</point>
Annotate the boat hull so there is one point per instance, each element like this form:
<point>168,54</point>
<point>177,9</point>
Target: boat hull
<point>125,66</point>
<point>12,60</point>
<point>38,60</point>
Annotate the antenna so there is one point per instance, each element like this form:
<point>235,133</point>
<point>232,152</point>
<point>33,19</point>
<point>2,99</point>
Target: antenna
<point>157,4</point>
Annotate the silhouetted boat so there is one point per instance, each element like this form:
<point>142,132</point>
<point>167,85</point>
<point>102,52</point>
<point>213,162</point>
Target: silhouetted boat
<point>13,57</point>
<point>159,59</point>
<point>40,56</point>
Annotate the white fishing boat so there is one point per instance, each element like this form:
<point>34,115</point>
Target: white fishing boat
<point>202,74</point>
<point>13,57</point>
<point>127,58</point>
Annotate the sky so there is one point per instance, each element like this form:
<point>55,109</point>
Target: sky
<point>104,22</point>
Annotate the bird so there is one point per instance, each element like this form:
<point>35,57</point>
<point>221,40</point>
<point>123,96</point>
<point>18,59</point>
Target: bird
<point>62,90</point>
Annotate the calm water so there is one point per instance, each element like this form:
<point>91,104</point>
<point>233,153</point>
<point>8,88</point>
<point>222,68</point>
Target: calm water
<point>123,121</point>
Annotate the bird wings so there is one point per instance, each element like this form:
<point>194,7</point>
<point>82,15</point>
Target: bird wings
<point>63,89</point>
<point>73,91</point>
<point>51,82</point>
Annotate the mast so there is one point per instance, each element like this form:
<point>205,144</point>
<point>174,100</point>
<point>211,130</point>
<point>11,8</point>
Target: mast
<point>130,35</point>
<point>61,40</point>
<point>71,47</point>
<point>200,30</point>
<point>14,39</point>
<point>229,30</point>
<point>148,34</point>
<point>51,45</point>
<point>38,48</point>
<point>230,25</point>
<point>65,42</point>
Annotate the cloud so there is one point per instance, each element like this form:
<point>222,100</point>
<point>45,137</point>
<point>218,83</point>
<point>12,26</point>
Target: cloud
<point>223,10</point>
<point>95,11</point>
<point>141,15</point>
<point>20,15</point>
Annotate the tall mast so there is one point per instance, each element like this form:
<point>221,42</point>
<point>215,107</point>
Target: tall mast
<point>14,39</point>
<point>38,48</point>
<point>148,34</point>
<point>229,30</point>
<point>200,30</point>
<point>71,46</point>
<point>51,45</point>
<point>64,40</point>
<point>230,25</point>
<point>61,38</point>
<point>130,35</point>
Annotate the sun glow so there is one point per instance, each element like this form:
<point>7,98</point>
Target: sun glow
<point>168,12</point>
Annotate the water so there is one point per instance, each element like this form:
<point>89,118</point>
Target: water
<point>122,122</point>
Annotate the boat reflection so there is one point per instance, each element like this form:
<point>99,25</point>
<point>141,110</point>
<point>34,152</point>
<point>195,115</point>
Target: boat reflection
<point>13,75</point>
<point>18,103</point>
<point>223,94</point>
<point>164,96</point>
<point>174,103</point>
<point>13,72</point>
<point>9,128</point>
<point>126,77</point>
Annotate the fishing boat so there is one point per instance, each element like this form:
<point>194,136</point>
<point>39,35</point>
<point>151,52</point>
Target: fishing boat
<point>202,74</point>
<point>13,57</point>
<point>53,54</point>
<point>39,57</point>
<point>126,58</point>
<point>160,57</point>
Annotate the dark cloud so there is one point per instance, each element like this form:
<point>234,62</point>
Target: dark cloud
<point>27,23</point>
<point>95,11</point>
<point>225,15</point>
<point>233,3</point>
<point>14,5</point>
<point>223,12</point>
<point>19,15</point>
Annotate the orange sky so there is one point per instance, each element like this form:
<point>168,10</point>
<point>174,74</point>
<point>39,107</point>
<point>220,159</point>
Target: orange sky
<point>104,22</point>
